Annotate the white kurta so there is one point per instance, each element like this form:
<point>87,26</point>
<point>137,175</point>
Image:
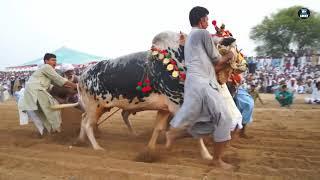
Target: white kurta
<point>203,111</point>
<point>36,97</point>
<point>235,114</point>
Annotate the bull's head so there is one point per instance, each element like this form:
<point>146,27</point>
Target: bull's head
<point>168,39</point>
<point>236,66</point>
<point>167,49</point>
<point>166,65</point>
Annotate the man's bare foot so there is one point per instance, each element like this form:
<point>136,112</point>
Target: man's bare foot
<point>220,164</point>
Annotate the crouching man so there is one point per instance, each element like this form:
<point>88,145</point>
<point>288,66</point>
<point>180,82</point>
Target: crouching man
<point>36,100</point>
<point>284,97</point>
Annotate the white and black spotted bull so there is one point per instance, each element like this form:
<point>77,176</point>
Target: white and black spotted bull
<point>112,83</point>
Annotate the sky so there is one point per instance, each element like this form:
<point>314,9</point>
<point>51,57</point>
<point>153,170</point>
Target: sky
<point>112,28</point>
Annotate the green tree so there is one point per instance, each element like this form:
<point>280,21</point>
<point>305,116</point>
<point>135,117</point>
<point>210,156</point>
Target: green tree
<point>285,33</point>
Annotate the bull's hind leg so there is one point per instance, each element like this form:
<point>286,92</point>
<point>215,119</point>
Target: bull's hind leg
<point>125,117</point>
<point>161,125</point>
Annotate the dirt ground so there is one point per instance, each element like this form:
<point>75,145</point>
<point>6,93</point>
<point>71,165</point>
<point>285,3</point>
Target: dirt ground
<point>285,144</point>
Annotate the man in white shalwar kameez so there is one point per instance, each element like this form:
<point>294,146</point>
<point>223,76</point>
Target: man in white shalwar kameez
<point>203,112</point>
<point>36,100</point>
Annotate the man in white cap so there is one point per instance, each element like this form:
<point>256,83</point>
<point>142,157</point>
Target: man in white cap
<point>308,86</point>
<point>63,94</point>
<point>292,85</point>
<point>68,72</point>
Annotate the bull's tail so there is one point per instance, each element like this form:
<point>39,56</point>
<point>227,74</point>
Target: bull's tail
<point>61,106</point>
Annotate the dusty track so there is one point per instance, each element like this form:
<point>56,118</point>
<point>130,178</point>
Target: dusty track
<point>285,145</point>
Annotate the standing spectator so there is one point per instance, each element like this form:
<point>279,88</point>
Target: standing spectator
<point>254,93</point>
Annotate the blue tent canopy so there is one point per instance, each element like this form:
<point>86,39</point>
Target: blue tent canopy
<point>67,56</point>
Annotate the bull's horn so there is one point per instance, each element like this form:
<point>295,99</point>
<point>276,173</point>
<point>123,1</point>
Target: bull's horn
<point>61,106</point>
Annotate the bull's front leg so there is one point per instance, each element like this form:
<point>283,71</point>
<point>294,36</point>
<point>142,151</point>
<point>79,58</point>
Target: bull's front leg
<point>82,134</point>
<point>161,124</point>
<point>92,119</point>
<point>150,155</point>
<point>90,134</point>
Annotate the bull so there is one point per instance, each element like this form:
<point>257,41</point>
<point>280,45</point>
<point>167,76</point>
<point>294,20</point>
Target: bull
<point>113,83</point>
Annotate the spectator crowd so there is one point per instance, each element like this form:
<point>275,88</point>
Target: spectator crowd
<point>265,75</point>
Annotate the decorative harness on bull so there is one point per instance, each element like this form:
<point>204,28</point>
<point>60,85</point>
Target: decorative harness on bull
<point>175,68</point>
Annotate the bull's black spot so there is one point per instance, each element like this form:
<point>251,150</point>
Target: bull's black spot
<point>117,77</point>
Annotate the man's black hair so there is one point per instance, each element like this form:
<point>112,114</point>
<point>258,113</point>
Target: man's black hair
<point>196,14</point>
<point>47,56</point>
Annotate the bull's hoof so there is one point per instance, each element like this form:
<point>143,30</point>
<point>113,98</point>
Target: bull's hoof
<point>148,156</point>
<point>99,148</point>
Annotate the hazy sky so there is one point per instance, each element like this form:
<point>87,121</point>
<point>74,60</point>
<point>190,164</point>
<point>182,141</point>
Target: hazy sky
<point>111,28</point>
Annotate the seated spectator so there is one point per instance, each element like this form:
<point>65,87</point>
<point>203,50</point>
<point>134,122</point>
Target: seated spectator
<point>292,85</point>
<point>308,86</point>
<point>300,88</point>
<point>315,97</point>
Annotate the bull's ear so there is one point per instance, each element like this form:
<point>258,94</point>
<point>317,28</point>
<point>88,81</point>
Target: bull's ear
<point>227,41</point>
